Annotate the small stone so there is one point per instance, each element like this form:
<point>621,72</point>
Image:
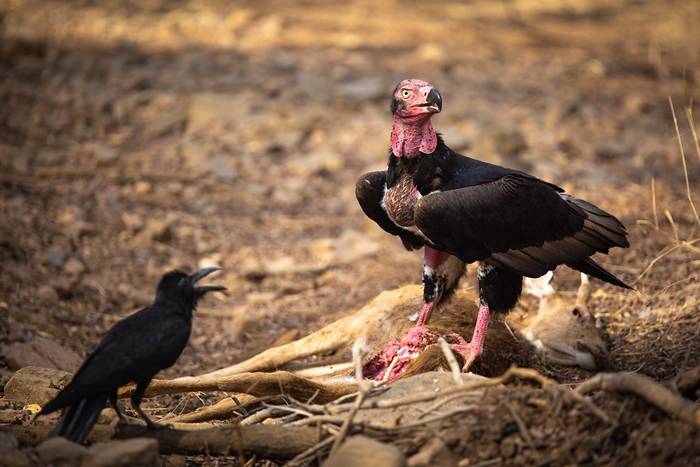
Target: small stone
<point>360,451</point>
<point>103,154</point>
<point>34,385</point>
<point>142,187</point>
<point>133,222</point>
<point>60,451</point>
<point>135,452</point>
<point>47,293</point>
<point>74,266</point>
<point>55,257</point>
<point>222,169</point>
<point>433,453</point>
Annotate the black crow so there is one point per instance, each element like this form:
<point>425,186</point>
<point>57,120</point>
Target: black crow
<point>464,210</point>
<point>133,351</point>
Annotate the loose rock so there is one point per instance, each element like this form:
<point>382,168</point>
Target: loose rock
<point>33,385</point>
<point>41,352</point>
<point>59,451</point>
<point>361,451</point>
<point>136,452</point>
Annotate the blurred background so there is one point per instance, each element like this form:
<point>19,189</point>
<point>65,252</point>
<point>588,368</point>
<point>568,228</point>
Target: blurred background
<point>139,136</point>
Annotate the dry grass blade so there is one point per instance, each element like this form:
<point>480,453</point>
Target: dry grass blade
<point>691,124</point>
<point>663,253</point>
<point>653,204</point>
<point>685,165</point>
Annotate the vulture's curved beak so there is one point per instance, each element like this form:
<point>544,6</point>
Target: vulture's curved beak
<point>433,101</point>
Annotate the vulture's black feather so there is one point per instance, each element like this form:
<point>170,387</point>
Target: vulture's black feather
<point>478,211</point>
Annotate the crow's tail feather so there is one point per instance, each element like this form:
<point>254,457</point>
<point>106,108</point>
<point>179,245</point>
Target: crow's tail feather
<point>78,419</point>
<point>590,267</point>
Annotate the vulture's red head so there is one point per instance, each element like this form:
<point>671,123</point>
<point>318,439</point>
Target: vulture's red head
<point>413,103</point>
<point>414,98</point>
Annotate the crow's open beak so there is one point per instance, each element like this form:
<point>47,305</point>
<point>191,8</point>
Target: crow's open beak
<point>202,273</point>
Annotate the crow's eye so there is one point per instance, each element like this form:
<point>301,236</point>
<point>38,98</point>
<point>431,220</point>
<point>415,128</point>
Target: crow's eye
<point>405,93</point>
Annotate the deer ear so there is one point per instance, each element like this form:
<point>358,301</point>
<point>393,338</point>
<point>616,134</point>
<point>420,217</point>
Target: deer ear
<point>584,292</point>
<point>540,287</point>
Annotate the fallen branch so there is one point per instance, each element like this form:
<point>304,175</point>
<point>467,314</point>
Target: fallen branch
<point>645,387</point>
<point>266,441</point>
<point>222,410</point>
<point>689,379</point>
<point>512,372</point>
<point>255,384</point>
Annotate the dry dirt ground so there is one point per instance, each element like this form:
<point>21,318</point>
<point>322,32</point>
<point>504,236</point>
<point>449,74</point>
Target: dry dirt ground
<point>136,137</point>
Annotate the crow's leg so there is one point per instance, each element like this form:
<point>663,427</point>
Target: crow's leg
<point>117,408</point>
<point>136,403</point>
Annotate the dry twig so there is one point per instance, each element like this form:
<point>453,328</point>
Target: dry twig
<point>451,361</point>
<point>358,353</point>
<point>648,389</point>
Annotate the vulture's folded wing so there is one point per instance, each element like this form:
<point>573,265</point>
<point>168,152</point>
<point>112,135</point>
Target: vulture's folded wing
<point>518,223</point>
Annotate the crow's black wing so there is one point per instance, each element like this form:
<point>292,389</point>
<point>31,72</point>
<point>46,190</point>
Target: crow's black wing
<point>519,223</point>
<point>133,350</point>
<point>369,192</point>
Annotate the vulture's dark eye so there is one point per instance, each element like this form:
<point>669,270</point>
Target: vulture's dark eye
<point>405,93</point>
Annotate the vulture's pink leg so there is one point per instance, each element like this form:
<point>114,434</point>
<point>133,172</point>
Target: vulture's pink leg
<point>471,350</point>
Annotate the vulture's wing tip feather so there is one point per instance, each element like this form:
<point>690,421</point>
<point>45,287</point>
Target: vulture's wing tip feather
<point>590,267</point>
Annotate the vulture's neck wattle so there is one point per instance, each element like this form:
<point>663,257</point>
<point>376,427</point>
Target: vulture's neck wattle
<point>412,136</point>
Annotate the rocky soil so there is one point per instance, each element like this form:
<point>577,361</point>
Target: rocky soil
<point>137,137</point>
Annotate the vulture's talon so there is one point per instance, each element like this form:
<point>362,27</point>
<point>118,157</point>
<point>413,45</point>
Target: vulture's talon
<point>469,352</point>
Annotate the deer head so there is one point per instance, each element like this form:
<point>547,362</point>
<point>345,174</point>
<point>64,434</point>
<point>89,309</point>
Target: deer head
<point>563,329</point>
